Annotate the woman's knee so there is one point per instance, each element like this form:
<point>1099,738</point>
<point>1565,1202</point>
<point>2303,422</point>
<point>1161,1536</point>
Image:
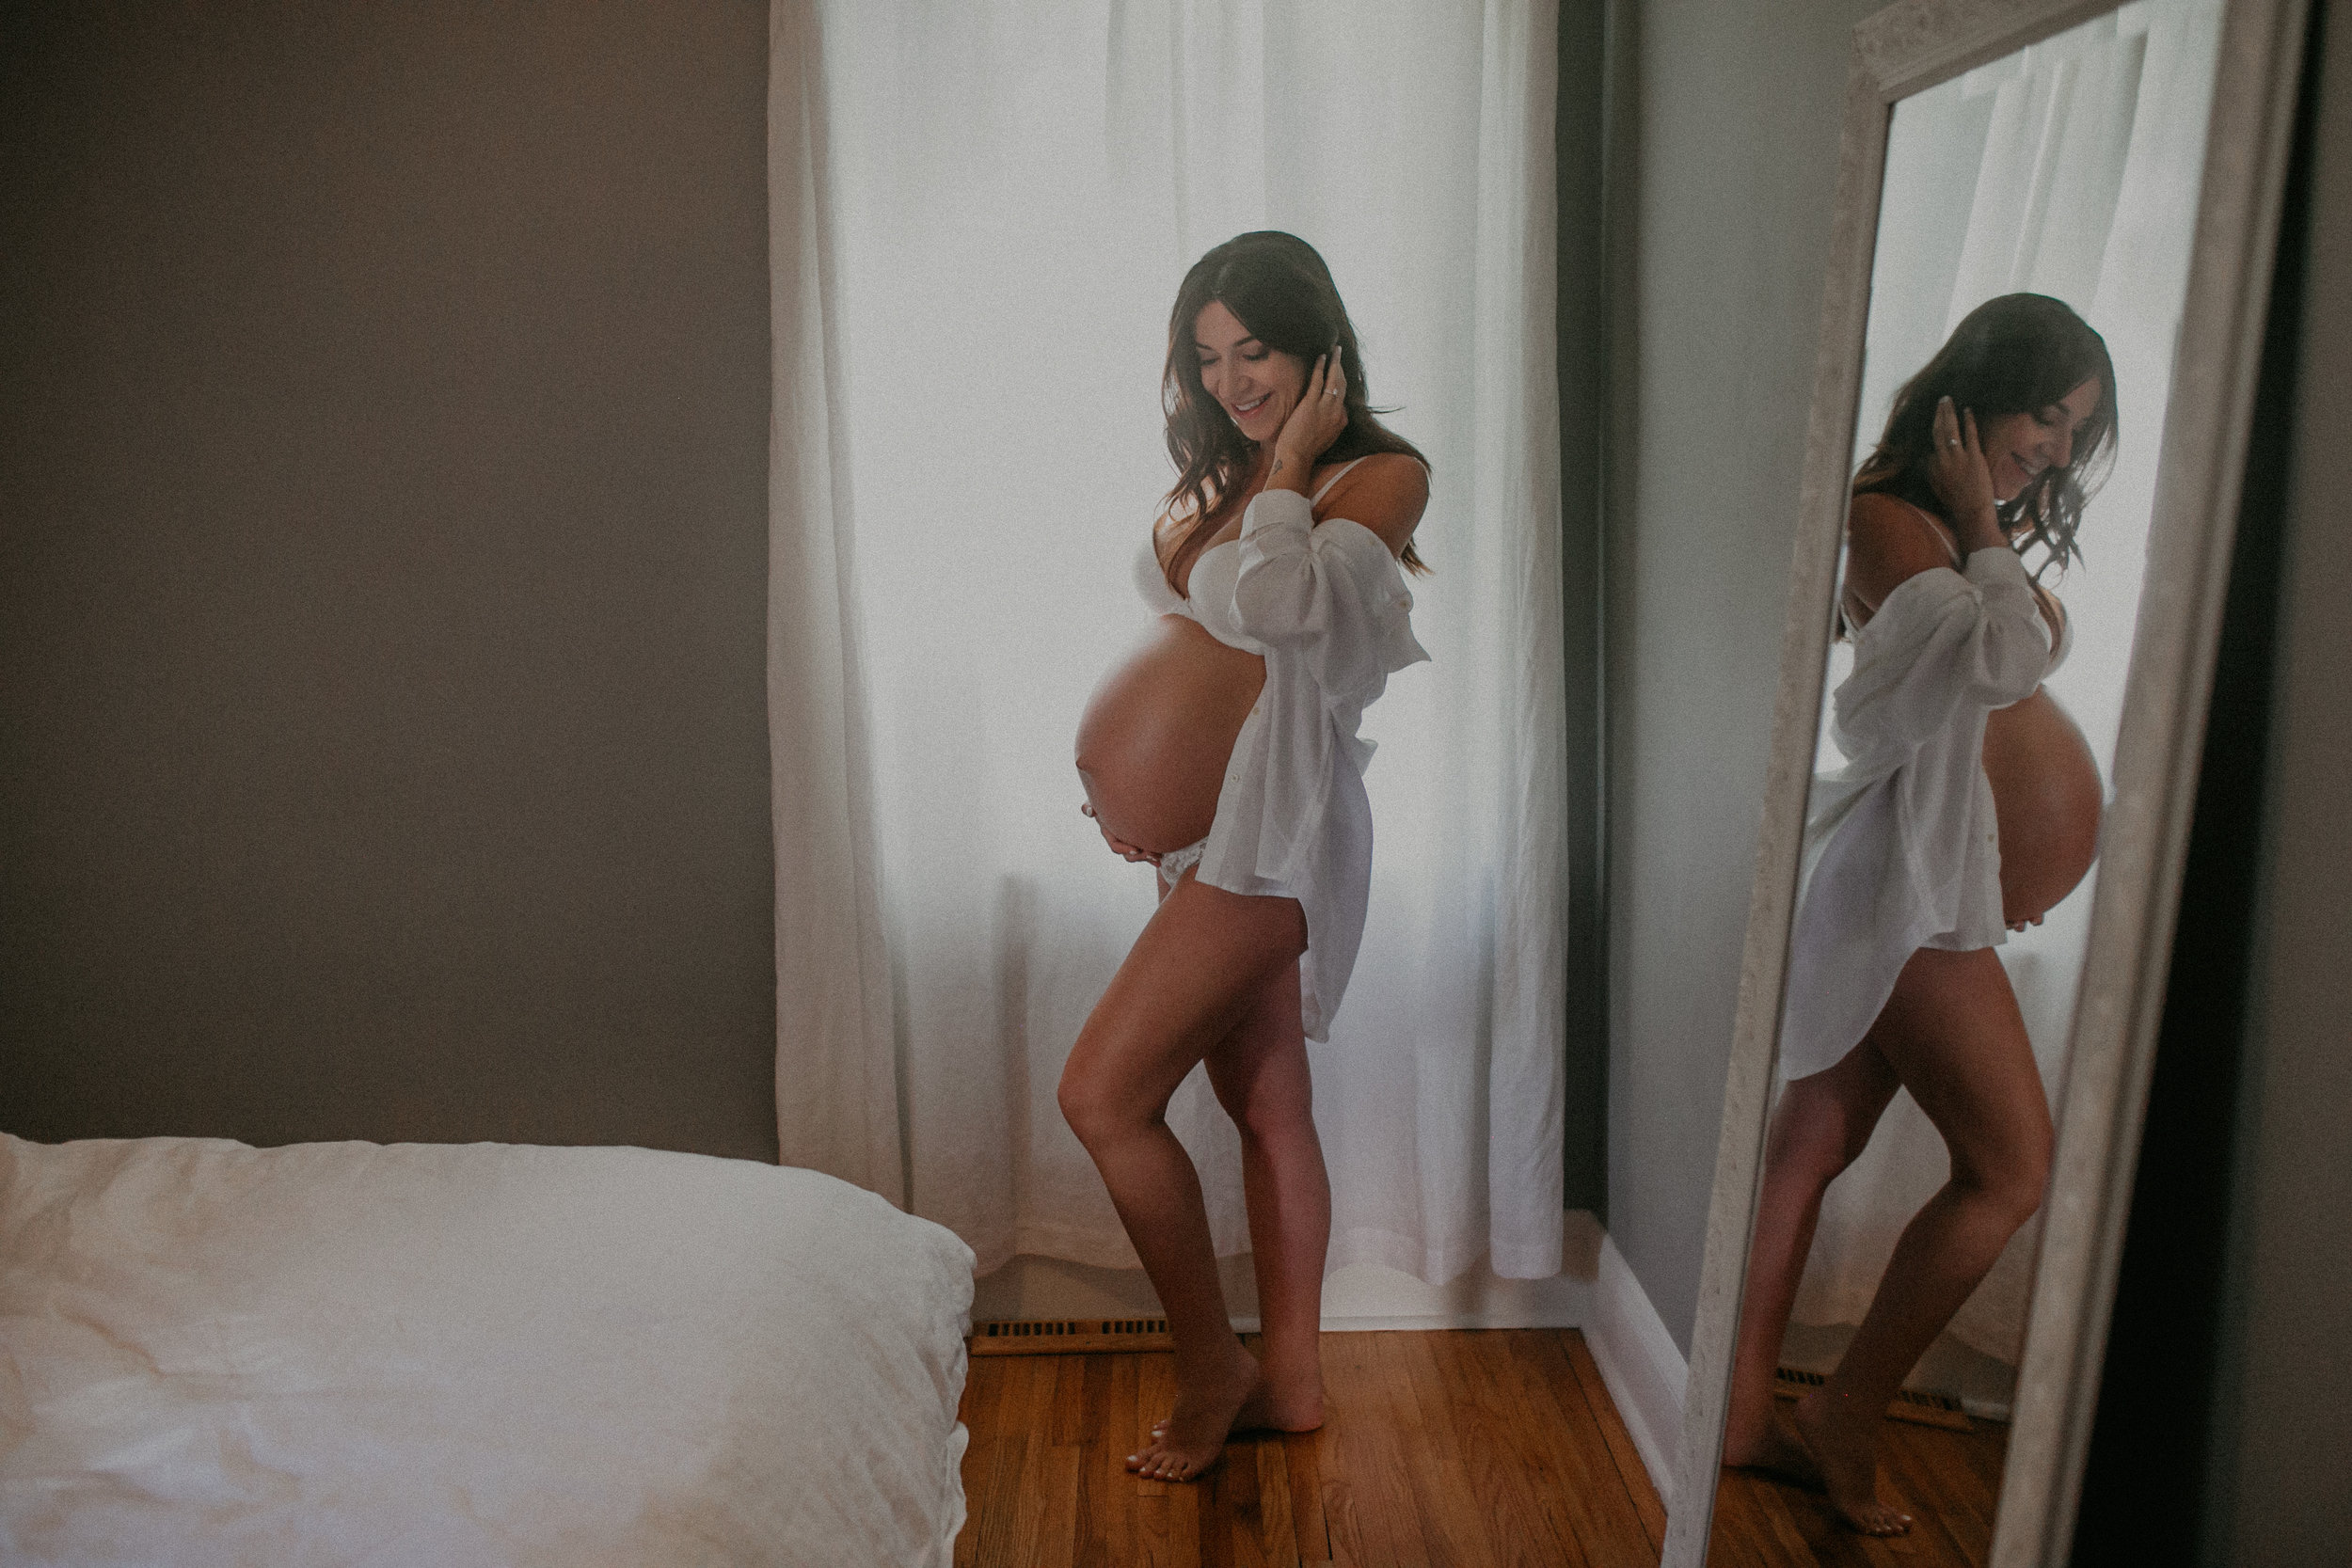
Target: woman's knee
<point>1815,1137</point>
<point>2013,1176</point>
<point>1094,1108</point>
<point>1266,1116</point>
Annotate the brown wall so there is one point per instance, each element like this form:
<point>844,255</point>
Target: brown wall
<point>383,402</point>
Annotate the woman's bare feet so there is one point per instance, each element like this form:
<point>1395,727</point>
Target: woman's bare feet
<point>1844,1449</point>
<point>1271,1409</point>
<point>1189,1441</point>
<point>1776,1452</point>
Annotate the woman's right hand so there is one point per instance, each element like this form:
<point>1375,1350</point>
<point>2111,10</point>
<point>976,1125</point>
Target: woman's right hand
<point>1125,850</point>
<point>1962,481</point>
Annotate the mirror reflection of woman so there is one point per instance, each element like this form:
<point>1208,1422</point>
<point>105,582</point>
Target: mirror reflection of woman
<point>1968,806</point>
<point>1223,751</point>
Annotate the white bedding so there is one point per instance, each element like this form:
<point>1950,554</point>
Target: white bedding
<point>456,1354</point>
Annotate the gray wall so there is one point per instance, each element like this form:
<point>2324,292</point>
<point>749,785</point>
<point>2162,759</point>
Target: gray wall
<point>383,428</point>
<point>1726,118</point>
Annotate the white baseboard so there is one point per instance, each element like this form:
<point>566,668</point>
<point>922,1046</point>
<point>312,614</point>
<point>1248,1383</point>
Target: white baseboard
<point>1595,1291</point>
<point>1359,1297</point>
<point>1644,1371</point>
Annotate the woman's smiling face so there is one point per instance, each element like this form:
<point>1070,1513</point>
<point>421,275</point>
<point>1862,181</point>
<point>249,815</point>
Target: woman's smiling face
<point>2018,447</point>
<point>1256,386</point>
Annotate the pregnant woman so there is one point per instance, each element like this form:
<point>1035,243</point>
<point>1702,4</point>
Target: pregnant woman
<point>1223,750</point>
<point>1969,805</point>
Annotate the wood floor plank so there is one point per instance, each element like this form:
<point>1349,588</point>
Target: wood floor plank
<point>1452,1520</point>
<point>1742,1531</point>
<point>1590,1504</point>
<point>1045,1493</point>
<point>1512,1477</point>
<point>983,1386</point>
<point>1613,1431</point>
<point>1155,1391</point>
<point>1366,1499</point>
<point>1953,1509</point>
<point>1049,1501</point>
<point>1105,1531</point>
<point>995,1526</point>
<point>1603,1511</point>
<point>1277,1524</point>
<point>1302,1458</point>
<point>1230,1518</point>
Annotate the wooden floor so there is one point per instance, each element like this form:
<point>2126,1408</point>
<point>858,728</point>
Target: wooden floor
<point>1468,1448</point>
<point>1947,1480</point>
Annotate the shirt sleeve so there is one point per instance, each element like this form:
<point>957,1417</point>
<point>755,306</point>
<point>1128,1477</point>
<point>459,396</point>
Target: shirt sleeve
<point>1943,641</point>
<point>1334,592</point>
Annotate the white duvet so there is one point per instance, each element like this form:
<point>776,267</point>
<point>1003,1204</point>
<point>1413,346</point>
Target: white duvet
<point>457,1354</point>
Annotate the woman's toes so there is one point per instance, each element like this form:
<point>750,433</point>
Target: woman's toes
<point>1877,1519</point>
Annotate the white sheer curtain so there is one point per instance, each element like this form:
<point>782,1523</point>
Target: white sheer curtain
<point>2070,169</point>
<point>981,219</point>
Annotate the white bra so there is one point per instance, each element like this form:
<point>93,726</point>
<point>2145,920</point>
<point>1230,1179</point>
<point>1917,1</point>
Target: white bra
<point>1214,573</point>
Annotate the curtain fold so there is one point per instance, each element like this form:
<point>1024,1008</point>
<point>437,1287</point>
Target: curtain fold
<point>982,215</point>
<point>2070,169</point>
<point>837,1089</point>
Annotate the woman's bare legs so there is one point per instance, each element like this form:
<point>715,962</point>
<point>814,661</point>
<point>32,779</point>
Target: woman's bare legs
<point>1261,1078</point>
<point>1194,981</point>
<point>1819,1127</point>
<point>1954,1036</point>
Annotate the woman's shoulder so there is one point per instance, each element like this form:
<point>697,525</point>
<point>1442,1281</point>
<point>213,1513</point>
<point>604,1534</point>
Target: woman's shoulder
<point>1385,492</point>
<point>1889,540</point>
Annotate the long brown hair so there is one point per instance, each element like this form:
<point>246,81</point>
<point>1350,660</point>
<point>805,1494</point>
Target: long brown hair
<point>2015,354</point>
<point>1278,289</point>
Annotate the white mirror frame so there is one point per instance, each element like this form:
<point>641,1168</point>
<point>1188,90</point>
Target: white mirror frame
<point>1907,48</point>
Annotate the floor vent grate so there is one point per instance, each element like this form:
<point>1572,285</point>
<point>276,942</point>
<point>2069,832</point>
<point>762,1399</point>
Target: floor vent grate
<point>1070,1336</point>
<point>1933,1410</point>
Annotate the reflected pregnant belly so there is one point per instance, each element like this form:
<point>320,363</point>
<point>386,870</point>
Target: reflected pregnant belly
<point>2046,798</point>
<point>1157,733</point>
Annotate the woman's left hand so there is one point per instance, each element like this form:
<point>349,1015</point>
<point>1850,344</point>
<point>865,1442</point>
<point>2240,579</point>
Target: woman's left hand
<point>1120,845</point>
<point>1312,426</point>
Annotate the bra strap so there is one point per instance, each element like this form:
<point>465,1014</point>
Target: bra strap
<point>1932,527</point>
<point>1316,499</point>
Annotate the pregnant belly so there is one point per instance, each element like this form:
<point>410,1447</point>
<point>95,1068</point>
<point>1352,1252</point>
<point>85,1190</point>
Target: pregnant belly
<point>1157,733</point>
<point>2046,799</point>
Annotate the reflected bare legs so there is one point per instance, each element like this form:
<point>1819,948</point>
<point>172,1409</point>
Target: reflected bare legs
<point>1950,1034</point>
<point>1213,978</point>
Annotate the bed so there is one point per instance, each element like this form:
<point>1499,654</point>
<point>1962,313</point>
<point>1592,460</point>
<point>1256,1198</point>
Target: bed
<point>457,1354</point>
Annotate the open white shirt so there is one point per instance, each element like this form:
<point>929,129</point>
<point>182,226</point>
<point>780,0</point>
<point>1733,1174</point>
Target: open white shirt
<point>1327,606</point>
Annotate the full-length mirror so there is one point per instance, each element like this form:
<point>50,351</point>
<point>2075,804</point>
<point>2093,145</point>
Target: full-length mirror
<point>2035,225</point>
<point>2000,470</point>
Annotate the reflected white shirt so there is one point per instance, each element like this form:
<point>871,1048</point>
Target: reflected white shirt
<point>1901,849</point>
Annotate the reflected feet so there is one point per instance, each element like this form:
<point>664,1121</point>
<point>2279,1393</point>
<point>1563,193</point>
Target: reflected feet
<point>1844,1450</point>
<point>1207,1408</point>
<point>1776,1452</point>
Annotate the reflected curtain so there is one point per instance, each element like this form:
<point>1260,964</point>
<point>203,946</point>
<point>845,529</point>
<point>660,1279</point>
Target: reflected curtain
<point>2070,169</point>
<point>982,217</point>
